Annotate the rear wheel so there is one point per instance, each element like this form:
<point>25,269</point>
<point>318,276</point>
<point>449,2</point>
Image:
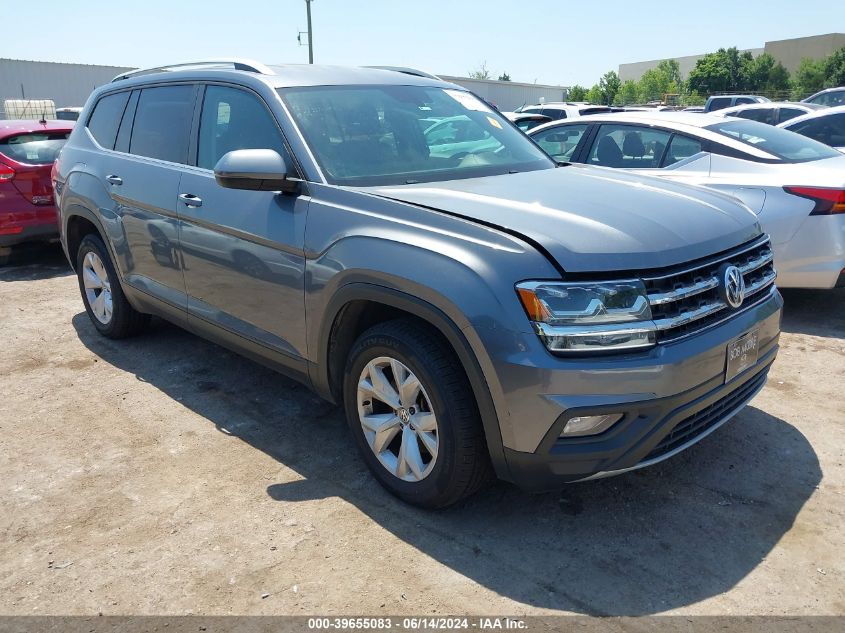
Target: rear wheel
<point>414,417</point>
<point>102,295</point>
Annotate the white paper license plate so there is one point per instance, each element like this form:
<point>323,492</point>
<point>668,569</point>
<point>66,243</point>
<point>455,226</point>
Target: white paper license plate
<point>742,354</point>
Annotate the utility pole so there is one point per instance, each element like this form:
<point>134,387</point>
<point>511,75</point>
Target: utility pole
<point>310,32</point>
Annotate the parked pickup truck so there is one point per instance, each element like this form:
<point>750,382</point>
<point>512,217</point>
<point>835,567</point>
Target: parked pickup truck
<point>473,306</point>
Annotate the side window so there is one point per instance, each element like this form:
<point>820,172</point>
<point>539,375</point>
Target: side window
<point>122,143</point>
<point>829,130</point>
<point>680,148</point>
<point>833,98</point>
<point>560,142</point>
<point>105,119</point>
<point>763,115</point>
<point>530,124</point>
<point>718,103</point>
<point>744,100</point>
<point>837,130</point>
<point>784,114</point>
<point>235,119</point>
<point>628,146</point>
<point>162,123</point>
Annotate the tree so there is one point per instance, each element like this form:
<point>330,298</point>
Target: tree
<point>779,77</point>
<point>504,77</point>
<point>609,85</point>
<point>594,95</point>
<point>764,73</point>
<point>834,69</point>
<point>481,73</point>
<point>578,93</point>
<point>665,78</point>
<point>671,69</point>
<point>726,70</point>
<point>628,93</point>
<point>809,78</point>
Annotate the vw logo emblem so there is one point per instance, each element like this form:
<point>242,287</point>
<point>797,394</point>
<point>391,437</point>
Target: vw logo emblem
<point>733,286</point>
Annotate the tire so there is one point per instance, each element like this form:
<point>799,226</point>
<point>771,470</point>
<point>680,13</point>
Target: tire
<point>460,464</point>
<point>122,320</point>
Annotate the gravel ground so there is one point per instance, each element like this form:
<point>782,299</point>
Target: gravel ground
<point>165,475</point>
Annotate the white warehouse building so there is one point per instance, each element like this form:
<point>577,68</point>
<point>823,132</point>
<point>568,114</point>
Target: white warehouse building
<point>67,85</point>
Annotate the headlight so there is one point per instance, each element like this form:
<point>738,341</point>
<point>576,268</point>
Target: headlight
<point>579,317</point>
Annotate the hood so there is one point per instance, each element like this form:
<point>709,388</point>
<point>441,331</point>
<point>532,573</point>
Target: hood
<point>591,219</point>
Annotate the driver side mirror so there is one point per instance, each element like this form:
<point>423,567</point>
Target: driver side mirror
<point>254,170</point>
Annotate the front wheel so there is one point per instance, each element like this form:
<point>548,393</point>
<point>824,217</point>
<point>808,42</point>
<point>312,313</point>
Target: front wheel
<point>413,414</point>
<point>102,295</point>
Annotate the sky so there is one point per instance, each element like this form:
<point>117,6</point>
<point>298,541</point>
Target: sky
<point>559,42</point>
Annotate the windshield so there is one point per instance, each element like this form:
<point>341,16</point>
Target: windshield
<point>783,144</point>
<point>385,135</point>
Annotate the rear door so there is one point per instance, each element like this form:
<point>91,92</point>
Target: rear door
<point>243,250</point>
<point>142,175</point>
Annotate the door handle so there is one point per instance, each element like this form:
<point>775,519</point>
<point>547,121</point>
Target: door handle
<point>190,200</point>
<point>115,180</point>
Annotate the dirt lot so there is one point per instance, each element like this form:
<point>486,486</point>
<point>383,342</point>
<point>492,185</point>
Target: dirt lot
<point>164,475</point>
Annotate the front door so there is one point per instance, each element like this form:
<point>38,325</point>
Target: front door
<point>242,250</point>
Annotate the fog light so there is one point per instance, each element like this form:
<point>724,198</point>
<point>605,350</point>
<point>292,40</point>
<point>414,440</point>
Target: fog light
<point>590,424</point>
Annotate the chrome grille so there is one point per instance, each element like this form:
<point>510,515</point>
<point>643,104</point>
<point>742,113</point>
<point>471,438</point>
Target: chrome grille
<point>686,299</point>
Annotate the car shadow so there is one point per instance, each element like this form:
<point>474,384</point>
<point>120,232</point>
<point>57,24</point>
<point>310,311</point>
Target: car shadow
<point>661,538</point>
<point>814,312</point>
<point>31,262</point>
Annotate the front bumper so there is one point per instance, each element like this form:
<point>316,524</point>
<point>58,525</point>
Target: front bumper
<point>671,398</point>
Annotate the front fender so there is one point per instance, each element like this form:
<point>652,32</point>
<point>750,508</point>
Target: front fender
<point>465,342</point>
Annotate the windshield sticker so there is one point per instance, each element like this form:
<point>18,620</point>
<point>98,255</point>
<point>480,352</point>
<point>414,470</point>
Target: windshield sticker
<point>467,100</point>
<point>494,122</point>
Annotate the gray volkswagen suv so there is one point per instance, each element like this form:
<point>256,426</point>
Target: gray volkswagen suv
<point>401,248</point>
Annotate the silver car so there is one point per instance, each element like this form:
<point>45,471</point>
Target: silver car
<point>796,186</point>
<point>473,310</point>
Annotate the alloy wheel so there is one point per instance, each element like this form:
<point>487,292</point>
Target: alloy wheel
<point>397,419</point>
<point>95,279</point>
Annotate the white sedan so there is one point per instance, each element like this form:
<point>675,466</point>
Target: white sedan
<point>796,186</point>
<point>825,126</point>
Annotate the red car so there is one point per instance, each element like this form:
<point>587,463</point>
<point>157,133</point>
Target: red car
<point>27,152</point>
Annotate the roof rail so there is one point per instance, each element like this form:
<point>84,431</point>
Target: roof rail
<point>235,63</point>
<point>406,71</point>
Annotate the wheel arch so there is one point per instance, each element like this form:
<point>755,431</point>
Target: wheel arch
<point>79,222</point>
<point>356,307</point>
